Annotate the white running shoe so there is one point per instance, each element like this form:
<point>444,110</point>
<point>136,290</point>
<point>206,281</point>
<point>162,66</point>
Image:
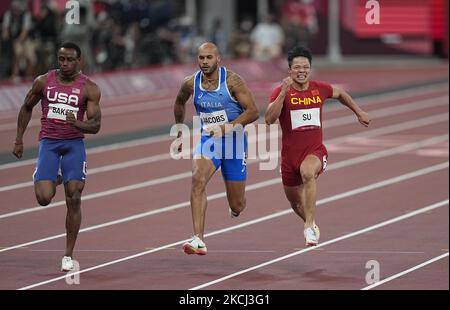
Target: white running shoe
<point>233,214</point>
<point>66,263</point>
<point>195,246</point>
<point>317,231</point>
<point>310,237</point>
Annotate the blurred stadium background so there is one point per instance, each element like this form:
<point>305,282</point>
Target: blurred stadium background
<point>122,34</point>
<point>136,198</point>
<point>138,51</point>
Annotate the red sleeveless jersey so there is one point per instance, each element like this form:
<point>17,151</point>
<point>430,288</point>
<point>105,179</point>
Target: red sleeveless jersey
<point>57,100</point>
<point>301,117</point>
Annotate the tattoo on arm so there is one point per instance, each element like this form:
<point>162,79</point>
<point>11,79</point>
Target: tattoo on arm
<point>180,102</point>
<point>235,81</point>
<point>240,91</point>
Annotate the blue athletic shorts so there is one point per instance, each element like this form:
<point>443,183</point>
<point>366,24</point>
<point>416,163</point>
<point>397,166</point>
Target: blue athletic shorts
<point>70,155</point>
<point>228,153</point>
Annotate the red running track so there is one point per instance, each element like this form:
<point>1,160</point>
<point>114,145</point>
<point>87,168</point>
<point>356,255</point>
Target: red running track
<point>133,226</point>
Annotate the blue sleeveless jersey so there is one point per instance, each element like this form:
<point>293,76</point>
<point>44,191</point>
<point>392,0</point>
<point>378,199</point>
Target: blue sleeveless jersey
<point>216,107</point>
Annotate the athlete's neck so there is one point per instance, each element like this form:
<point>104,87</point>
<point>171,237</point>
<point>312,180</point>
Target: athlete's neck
<point>211,77</point>
<point>300,87</point>
<point>67,78</point>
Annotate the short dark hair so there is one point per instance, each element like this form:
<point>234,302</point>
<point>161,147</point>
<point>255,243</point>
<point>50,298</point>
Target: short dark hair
<point>72,46</point>
<point>299,51</point>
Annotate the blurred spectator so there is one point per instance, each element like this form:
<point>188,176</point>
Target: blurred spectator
<point>112,34</point>
<point>300,22</point>
<point>101,39</point>
<point>218,36</point>
<point>81,33</point>
<point>241,45</point>
<point>267,39</point>
<point>197,39</point>
<point>185,31</point>
<point>46,34</point>
<point>16,35</point>
<point>116,48</point>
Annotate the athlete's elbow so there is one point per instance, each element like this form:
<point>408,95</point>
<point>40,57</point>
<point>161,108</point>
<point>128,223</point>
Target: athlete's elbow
<point>254,114</point>
<point>96,129</point>
<point>268,120</point>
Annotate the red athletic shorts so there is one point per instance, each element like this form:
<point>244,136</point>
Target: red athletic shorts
<point>291,161</point>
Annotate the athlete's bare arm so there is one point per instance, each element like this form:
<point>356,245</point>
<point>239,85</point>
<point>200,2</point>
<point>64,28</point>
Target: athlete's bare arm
<point>185,92</point>
<point>93,112</point>
<point>179,108</point>
<point>239,90</point>
<point>274,109</point>
<point>34,95</point>
<point>348,101</point>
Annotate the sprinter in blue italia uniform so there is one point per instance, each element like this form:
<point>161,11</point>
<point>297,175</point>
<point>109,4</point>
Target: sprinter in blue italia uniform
<point>225,105</point>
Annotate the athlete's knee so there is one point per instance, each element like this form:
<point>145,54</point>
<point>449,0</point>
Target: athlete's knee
<point>307,175</point>
<point>73,200</point>
<point>295,204</point>
<point>44,192</point>
<point>238,204</point>
<point>198,182</point>
<point>43,199</point>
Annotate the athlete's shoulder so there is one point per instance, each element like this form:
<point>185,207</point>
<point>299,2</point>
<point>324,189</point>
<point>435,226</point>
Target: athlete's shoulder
<point>277,88</point>
<point>91,84</point>
<point>234,79</point>
<point>323,87</point>
<point>40,81</point>
<point>231,74</point>
<point>92,90</point>
<point>275,92</point>
<point>188,81</point>
<point>320,84</point>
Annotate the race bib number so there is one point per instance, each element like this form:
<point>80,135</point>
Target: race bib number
<point>59,111</point>
<point>305,118</point>
<point>213,118</point>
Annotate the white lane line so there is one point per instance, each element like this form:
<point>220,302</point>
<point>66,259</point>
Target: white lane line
<point>259,185</point>
<point>347,236</point>
<point>345,120</point>
<point>99,149</point>
<point>149,104</point>
<point>425,209</point>
<point>176,177</point>
<point>160,138</point>
<point>101,169</point>
<point>397,275</point>
<point>329,124</point>
<point>391,111</point>
<point>400,95</point>
<point>380,131</point>
<point>146,105</point>
<point>375,252</point>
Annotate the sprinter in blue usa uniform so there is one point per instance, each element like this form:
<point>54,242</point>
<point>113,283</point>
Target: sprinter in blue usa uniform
<point>225,105</point>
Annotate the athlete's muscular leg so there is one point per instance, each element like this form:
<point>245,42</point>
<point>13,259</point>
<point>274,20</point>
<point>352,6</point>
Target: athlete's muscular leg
<point>309,170</point>
<point>45,190</point>
<point>236,195</point>
<point>294,195</point>
<point>46,174</point>
<point>73,191</point>
<point>202,171</point>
